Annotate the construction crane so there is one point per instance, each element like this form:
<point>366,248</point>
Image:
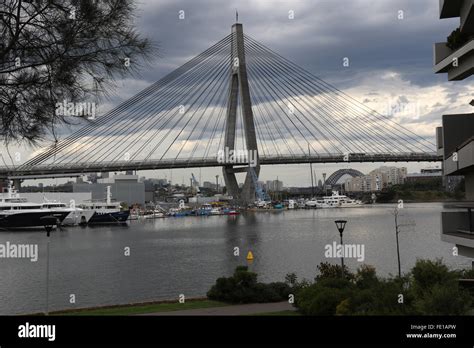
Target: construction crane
<point>259,192</point>
<point>194,184</point>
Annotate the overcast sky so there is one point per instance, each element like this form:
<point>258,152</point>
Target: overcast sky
<point>390,58</point>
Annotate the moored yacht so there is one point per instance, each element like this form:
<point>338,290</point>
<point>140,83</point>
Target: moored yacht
<point>338,201</point>
<point>106,212</point>
<point>17,212</point>
<point>76,216</point>
<point>334,201</point>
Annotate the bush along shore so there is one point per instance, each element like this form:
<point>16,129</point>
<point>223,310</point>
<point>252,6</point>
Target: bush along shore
<point>430,288</point>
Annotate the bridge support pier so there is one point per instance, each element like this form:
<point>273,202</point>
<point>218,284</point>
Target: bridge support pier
<point>17,184</point>
<point>239,87</point>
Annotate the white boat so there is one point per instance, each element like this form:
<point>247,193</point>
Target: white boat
<point>17,212</point>
<point>334,201</point>
<point>154,214</point>
<point>337,201</point>
<point>301,204</point>
<point>215,211</point>
<point>106,212</point>
<point>312,203</point>
<point>76,216</point>
<point>262,203</point>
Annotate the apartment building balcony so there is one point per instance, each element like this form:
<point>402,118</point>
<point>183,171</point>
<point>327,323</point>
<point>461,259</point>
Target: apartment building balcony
<point>458,64</point>
<point>457,227</point>
<point>456,59</point>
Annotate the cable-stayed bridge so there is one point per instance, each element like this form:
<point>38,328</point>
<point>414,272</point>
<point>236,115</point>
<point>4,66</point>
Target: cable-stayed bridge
<point>237,95</point>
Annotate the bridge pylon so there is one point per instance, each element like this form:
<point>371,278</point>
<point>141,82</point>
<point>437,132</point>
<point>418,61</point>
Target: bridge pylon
<point>239,88</point>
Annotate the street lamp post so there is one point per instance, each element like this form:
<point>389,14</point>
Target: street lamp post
<point>324,184</point>
<point>341,224</point>
<point>311,171</point>
<point>48,223</point>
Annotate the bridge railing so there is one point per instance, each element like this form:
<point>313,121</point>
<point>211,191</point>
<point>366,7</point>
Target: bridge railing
<point>64,168</point>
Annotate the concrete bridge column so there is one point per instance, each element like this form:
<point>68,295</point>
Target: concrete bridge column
<point>239,87</point>
<point>17,184</point>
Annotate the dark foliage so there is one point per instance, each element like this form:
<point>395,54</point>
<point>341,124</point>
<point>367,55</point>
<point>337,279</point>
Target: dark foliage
<point>61,51</point>
<point>243,287</point>
<point>457,39</point>
<point>429,289</point>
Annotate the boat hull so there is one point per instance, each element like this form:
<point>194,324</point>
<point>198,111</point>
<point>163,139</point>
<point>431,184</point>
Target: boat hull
<point>109,218</point>
<point>29,219</point>
<point>79,217</point>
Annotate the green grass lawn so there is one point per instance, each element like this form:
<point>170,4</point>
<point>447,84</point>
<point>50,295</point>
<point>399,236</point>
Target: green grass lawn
<point>146,308</point>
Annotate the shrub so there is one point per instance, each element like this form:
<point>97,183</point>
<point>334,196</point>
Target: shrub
<point>427,274</point>
<point>366,277</point>
<point>467,274</point>
<point>323,297</point>
<point>381,298</point>
<point>430,289</point>
<point>343,308</point>
<point>444,299</point>
<point>243,287</point>
<point>328,270</point>
<point>291,279</point>
<point>320,300</point>
<point>283,290</point>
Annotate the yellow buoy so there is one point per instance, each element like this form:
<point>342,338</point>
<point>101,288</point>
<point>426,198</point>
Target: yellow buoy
<point>250,256</point>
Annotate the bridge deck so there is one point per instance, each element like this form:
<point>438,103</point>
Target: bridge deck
<point>57,170</point>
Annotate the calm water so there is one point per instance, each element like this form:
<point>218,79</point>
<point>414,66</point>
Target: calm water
<point>176,256</point>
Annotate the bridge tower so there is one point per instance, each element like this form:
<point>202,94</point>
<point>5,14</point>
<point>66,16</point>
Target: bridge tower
<point>239,88</point>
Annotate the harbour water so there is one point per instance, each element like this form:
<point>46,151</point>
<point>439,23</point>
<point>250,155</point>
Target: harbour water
<point>174,256</point>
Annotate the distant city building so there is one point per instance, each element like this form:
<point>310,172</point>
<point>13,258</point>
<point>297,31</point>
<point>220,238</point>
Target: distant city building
<point>376,180</point>
<point>274,185</point>
<point>425,175</point>
<point>124,188</point>
<point>391,175</point>
<point>209,185</point>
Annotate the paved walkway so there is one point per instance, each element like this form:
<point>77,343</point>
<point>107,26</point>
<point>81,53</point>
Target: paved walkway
<point>246,309</point>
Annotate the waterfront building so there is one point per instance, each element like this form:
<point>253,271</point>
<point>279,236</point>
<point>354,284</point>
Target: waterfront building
<point>455,138</point>
<point>124,188</point>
